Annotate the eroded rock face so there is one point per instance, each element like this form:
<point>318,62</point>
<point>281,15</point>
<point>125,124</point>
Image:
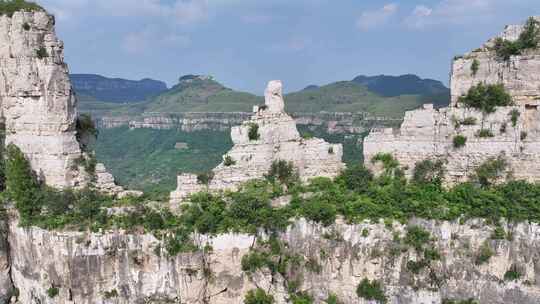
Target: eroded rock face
<point>520,75</point>
<point>429,133</point>
<point>36,98</point>
<point>120,268</point>
<point>274,137</point>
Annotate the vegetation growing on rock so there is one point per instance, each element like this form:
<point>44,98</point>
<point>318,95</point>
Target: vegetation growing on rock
<point>528,39</point>
<point>9,7</point>
<point>371,290</point>
<point>486,97</point>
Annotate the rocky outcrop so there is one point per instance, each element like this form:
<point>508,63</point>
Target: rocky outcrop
<point>117,267</point>
<point>510,132</point>
<point>36,99</point>
<point>519,74</point>
<point>269,135</point>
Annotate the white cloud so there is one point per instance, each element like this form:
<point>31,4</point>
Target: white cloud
<point>449,12</point>
<point>375,18</point>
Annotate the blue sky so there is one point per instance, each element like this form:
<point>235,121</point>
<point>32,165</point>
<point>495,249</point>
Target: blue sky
<point>245,43</point>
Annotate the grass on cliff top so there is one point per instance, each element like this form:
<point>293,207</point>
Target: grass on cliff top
<point>9,7</point>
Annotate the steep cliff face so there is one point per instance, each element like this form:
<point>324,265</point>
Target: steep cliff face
<point>120,268</point>
<point>270,135</point>
<point>37,102</point>
<point>519,74</point>
<point>510,132</point>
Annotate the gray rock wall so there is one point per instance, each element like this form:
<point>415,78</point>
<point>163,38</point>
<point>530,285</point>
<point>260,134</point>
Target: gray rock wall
<point>116,267</point>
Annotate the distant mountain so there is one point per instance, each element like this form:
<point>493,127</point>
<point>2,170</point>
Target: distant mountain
<point>196,93</point>
<point>115,90</point>
<point>392,86</point>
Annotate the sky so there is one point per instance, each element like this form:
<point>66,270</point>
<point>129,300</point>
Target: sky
<point>245,43</point>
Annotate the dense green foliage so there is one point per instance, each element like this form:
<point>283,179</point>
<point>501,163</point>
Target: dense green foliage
<point>258,296</point>
<point>253,132</point>
<point>475,66</point>
<point>469,121</point>
<point>486,97</point>
<point>283,172</point>
<point>459,141</point>
<point>513,274</point>
<point>53,292</point>
<point>514,116</point>
<point>429,171</point>
<point>483,133</point>
<point>528,39</point>
<point>42,53</point>
<point>8,7</point>
<point>371,290</point>
<point>148,160</point>
<point>490,171</point>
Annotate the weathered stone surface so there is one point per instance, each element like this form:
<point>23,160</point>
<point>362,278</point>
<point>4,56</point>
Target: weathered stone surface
<point>36,98</point>
<point>428,133</point>
<point>520,75</point>
<point>278,140</point>
<point>87,266</point>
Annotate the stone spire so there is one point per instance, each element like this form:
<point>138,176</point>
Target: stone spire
<point>273,97</point>
<point>252,155</point>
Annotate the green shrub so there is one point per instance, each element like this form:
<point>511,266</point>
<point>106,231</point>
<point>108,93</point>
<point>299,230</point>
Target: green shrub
<point>486,97</point>
<point>514,115</point>
<point>428,171</point>
<point>110,294</point>
<point>513,274</point>
<point>22,186</point>
<point>371,291</point>
<point>258,296</point>
<point>253,133</point>
<point>205,178</point>
<point>42,53</point>
<point>417,237</point>
<point>356,178</point>
<point>459,141</point>
<point>53,292</point>
<point>332,299</point>
<point>229,161</point>
<point>301,298</point>
<point>86,130</point>
<point>282,171</point>
<point>26,26</point>
<point>528,39</point>
<point>498,233</point>
<point>475,66</point>
<point>483,133</point>
<point>468,301</point>
<point>484,254</point>
<point>320,210</point>
<point>469,121</point>
<point>416,266</point>
<point>8,7</point>
<point>307,135</point>
<point>490,171</point>
<point>390,165</point>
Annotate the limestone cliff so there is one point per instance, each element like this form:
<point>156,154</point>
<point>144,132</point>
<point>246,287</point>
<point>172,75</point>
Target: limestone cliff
<point>121,268</point>
<point>270,135</point>
<point>519,74</point>
<point>36,99</point>
<point>511,132</point>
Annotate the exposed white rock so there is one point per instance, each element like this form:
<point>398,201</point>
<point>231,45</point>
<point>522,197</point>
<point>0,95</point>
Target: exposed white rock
<point>36,98</point>
<point>520,75</point>
<point>428,133</point>
<point>278,140</point>
<point>88,267</point>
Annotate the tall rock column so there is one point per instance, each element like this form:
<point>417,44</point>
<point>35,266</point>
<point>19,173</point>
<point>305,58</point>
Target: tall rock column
<point>36,98</point>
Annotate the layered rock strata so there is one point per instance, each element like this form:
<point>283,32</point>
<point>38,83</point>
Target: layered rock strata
<point>274,137</point>
<point>121,268</point>
<point>36,98</point>
<point>511,132</point>
<point>520,74</point>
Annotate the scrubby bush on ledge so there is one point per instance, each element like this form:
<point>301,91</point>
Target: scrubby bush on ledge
<point>9,7</point>
<point>459,141</point>
<point>371,291</point>
<point>253,132</point>
<point>486,97</point>
<point>528,39</point>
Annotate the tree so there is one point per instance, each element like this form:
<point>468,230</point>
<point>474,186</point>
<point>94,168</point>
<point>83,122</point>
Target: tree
<point>21,184</point>
<point>486,97</point>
